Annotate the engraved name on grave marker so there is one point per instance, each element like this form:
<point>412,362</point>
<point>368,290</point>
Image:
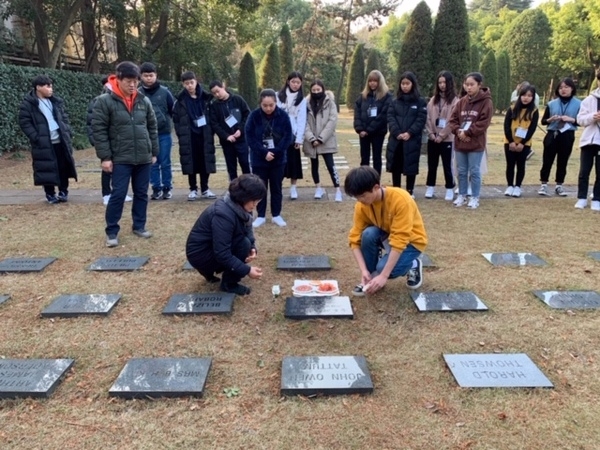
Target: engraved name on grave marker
<point>569,299</point>
<point>447,301</point>
<point>514,259</point>
<point>120,263</point>
<point>318,308</point>
<point>25,264</point>
<point>211,303</point>
<point>36,378</point>
<point>495,370</point>
<point>330,375</point>
<point>162,377</point>
<point>81,304</point>
<point>303,263</point>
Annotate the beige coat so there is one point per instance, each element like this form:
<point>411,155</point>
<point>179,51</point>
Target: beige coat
<point>321,127</point>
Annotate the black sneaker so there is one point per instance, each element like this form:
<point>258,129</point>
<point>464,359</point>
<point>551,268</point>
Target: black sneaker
<point>414,277</point>
<point>52,199</point>
<point>359,290</point>
<point>63,197</point>
<point>167,194</point>
<point>156,194</point>
<point>235,288</point>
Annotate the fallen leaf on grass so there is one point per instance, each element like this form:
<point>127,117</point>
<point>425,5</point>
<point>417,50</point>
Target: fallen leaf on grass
<point>460,424</point>
<point>502,416</point>
<point>482,343</point>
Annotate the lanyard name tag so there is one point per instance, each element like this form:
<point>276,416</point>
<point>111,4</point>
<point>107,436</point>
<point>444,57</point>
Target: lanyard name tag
<point>269,143</point>
<point>373,111</point>
<point>231,121</point>
<point>521,132</point>
<point>200,122</point>
<point>565,127</point>
<point>441,123</point>
<point>466,125</point>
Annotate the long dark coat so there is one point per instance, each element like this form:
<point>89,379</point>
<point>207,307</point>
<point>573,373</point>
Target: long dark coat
<point>406,116</point>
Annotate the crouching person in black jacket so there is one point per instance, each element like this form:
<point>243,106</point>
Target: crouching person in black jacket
<point>222,239</point>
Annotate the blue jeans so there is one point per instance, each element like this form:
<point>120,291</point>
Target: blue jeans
<point>468,164</point>
<point>162,167</point>
<point>140,179</point>
<point>370,245</point>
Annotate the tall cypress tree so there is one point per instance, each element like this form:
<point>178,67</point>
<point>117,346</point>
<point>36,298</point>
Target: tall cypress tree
<point>270,69</point>
<point>489,70</point>
<point>247,86</point>
<point>286,49</point>
<point>356,77</point>
<point>373,61</point>
<point>451,48</point>
<point>417,46</point>
<point>475,59</point>
<point>504,88</point>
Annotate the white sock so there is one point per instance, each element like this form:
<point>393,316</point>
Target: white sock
<point>415,264</point>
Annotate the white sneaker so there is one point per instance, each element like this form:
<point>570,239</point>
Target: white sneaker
<point>473,203</point>
<point>106,199</point>
<point>193,195</point>
<point>581,203</point>
<point>449,195</point>
<point>208,194</point>
<point>128,198</point>
<point>595,205</point>
<point>293,192</point>
<point>460,200</point>
<point>278,220</point>
<point>258,222</point>
<point>560,190</point>
<point>516,191</point>
<point>509,191</point>
<point>319,193</point>
<point>338,195</point>
<point>543,190</point>
<point>429,192</point>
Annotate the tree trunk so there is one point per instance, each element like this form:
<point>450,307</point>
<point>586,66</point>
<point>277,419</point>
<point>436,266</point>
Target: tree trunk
<point>90,39</point>
<point>64,26</point>
<point>41,33</point>
<point>345,61</point>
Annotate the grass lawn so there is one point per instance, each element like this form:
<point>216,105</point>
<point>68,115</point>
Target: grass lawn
<point>416,403</point>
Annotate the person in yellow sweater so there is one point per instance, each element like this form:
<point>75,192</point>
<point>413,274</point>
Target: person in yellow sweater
<point>387,234</point>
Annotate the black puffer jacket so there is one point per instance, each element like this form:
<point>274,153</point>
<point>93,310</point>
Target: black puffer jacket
<point>183,129</point>
<point>406,115</point>
<point>35,126</point>
<point>372,125</point>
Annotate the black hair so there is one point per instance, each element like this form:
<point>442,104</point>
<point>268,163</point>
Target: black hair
<point>282,95</point>
<point>516,112</point>
<point>127,69</point>
<point>360,180</point>
<point>569,82</point>
<point>450,93</point>
<point>267,93</point>
<point>104,79</point>
<point>476,76</point>
<point>189,75</point>
<point>41,80</point>
<point>598,74</point>
<point>148,67</point>
<point>247,188</point>
<point>414,89</point>
<point>215,83</point>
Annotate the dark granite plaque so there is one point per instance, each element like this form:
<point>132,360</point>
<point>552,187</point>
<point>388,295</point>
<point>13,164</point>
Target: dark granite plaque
<point>4,298</point>
<point>514,259</point>
<point>318,308</point>
<point>25,264</point>
<point>447,301</point>
<point>81,304</point>
<point>426,260</point>
<point>37,378</point>
<point>569,299</point>
<point>300,263</point>
<point>188,266</point>
<point>594,255</point>
<point>211,303</point>
<point>119,263</point>
<point>162,377</point>
<point>329,375</point>
<point>496,370</point>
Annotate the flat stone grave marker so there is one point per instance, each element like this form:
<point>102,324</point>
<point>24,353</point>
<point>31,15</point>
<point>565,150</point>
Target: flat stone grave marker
<point>161,377</point>
<point>73,305</point>
<point>514,259</point>
<point>594,255</point>
<point>119,263</point>
<point>38,378</point>
<point>300,263</point>
<point>302,308</point>
<point>25,264</point>
<point>187,266</point>
<point>496,370</point>
<point>426,260</point>
<point>447,301</point>
<point>569,299</point>
<point>329,375</point>
<point>200,303</point>
<point>4,298</point>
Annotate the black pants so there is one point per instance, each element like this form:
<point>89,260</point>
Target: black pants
<point>199,164</point>
<point>235,152</point>
<point>333,173</point>
<point>374,141</point>
<point>105,180</point>
<point>556,145</point>
<point>589,153</point>
<point>272,176</point>
<point>207,265</point>
<point>398,167</point>
<point>436,150</point>
<point>62,163</point>
<point>515,159</point>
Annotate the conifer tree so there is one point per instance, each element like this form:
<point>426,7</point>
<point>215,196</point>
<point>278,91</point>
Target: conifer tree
<point>286,49</point>
<point>270,69</point>
<point>489,70</point>
<point>504,88</point>
<point>356,77</point>
<point>373,61</point>
<point>475,59</point>
<point>247,86</point>
<point>451,48</point>
<point>416,47</point>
